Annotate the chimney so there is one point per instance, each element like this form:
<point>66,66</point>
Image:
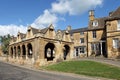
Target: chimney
<point>91,15</point>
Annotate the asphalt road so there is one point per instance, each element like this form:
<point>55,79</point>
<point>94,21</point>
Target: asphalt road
<point>10,72</point>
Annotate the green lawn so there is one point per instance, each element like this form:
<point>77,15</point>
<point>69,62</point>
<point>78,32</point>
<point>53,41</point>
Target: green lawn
<point>89,68</point>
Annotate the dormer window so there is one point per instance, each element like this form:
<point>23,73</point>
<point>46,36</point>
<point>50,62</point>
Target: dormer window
<point>95,23</point>
<point>118,25</point>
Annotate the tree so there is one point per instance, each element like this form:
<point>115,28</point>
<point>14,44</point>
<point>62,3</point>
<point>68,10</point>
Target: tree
<point>5,40</point>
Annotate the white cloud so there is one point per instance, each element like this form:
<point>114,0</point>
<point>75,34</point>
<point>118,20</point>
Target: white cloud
<point>45,19</point>
<point>74,7</point>
<point>51,15</point>
<point>12,29</point>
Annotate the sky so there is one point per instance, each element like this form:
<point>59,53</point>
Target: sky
<point>17,15</point>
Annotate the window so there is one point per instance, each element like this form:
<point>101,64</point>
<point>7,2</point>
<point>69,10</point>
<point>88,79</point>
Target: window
<point>95,23</point>
<point>94,34</point>
<point>95,46</point>
<point>81,33</point>
<point>118,25</point>
<point>82,49</point>
<point>116,43</point>
<point>81,40</point>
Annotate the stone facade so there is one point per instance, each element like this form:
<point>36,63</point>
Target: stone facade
<point>113,34</point>
<point>79,37</point>
<point>41,46</point>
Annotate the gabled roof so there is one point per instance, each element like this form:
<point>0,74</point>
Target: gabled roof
<point>34,30</point>
<point>116,13</point>
<point>14,38</point>
<point>44,30</point>
<point>22,35</point>
<point>101,23</point>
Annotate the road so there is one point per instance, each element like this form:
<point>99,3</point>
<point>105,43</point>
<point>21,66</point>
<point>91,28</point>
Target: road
<point>11,72</point>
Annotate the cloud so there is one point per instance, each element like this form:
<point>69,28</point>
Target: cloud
<point>45,19</point>
<point>53,15</point>
<point>12,29</point>
<point>74,7</point>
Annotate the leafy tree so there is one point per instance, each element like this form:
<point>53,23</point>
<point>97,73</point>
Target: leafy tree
<point>4,41</point>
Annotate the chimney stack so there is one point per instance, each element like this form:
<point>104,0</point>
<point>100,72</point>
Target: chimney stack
<point>91,15</point>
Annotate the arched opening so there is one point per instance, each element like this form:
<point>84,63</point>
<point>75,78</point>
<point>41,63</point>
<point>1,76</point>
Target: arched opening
<point>19,51</point>
<point>15,54</point>
<point>11,52</point>
<point>49,51</point>
<point>66,51</point>
<point>30,50</point>
<point>24,52</point>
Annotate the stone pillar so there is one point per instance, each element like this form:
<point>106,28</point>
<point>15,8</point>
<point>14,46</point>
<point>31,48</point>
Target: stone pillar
<point>78,51</point>
<point>21,52</point>
<point>26,52</point>
<point>13,52</point>
<point>75,53</point>
<point>16,53</point>
<point>9,53</point>
<point>101,48</point>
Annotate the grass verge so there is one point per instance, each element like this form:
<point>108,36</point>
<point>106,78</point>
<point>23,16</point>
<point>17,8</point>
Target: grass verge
<point>89,68</point>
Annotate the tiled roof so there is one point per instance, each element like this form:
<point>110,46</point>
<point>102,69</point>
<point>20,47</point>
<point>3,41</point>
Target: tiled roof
<point>22,35</point>
<point>34,30</point>
<point>14,38</point>
<point>101,23</point>
<point>44,30</point>
<point>78,30</point>
<point>116,13</point>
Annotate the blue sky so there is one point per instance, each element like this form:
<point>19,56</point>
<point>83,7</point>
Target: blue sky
<point>17,15</point>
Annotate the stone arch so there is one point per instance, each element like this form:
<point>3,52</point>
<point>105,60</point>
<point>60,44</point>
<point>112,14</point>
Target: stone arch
<point>11,52</point>
<point>19,51</point>
<point>66,51</point>
<point>30,50</point>
<point>50,51</point>
<point>23,52</point>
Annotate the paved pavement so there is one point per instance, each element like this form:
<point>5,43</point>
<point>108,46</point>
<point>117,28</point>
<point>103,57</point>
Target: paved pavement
<point>114,62</point>
<point>10,72</point>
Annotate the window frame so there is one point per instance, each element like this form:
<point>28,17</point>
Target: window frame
<point>118,24</point>
<point>115,43</point>
<point>94,34</point>
<point>82,40</point>
<point>95,23</point>
<point>82,50</point>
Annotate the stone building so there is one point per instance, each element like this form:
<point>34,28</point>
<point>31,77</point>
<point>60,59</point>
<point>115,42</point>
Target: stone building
<point>113,34</point>
<point>41,46</point>
<point>80,39</point>
<point>96,35</point>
